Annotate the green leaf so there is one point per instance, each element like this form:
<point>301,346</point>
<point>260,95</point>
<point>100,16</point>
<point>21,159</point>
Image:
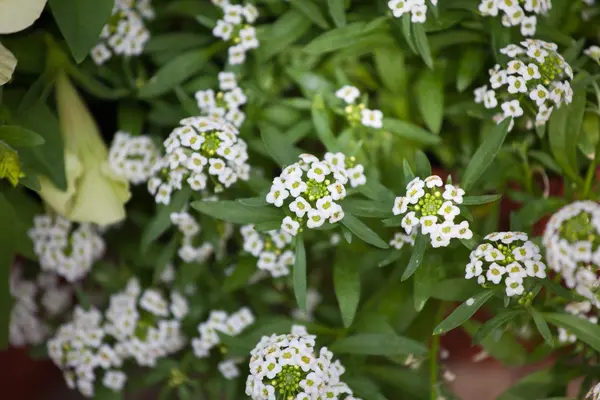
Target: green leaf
<point>321,122</point>
<point>564,127</point>
<point>337,11</point>
<point>166,254</point>
<point>176,71</point>
<point>463,312</point>
<point>409,175</point>
<point>542,327</point>
<point>582,328</point>
<point>131,118</point>
<point>476,200</point>
<point>455,289</point>
<point>533,386</point>
<point>176,41</point>
<point>80,22</point>
<point>93,86</point>
<point>406,27</point>
<point>423,167</point>
<point>7,253</point>
<point>281,150</point>
<point>417,255</point>
<point>366,208</point>
<point>17,136</point>
<point>232,211</point>
<point>390,67</point>
<point>485,154</point>
<point>424,282</point>
<point>560,290</point>
<point>378,344</point>
<point>361,230</point>
<point>339,38</point>
<point>493,324</point>
<point>282,33</point>
<point>311,11</point>
<point>346,282</point>
<point>470,65</point>
<point>244,269</point>
<point>300,274</point>
<point>162,221</point>
<point>409,131</point>
<point>430,98</point>
<point>421,43</point>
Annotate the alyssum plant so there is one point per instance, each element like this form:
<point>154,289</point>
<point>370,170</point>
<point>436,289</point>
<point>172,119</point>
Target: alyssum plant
<point>296,200</point>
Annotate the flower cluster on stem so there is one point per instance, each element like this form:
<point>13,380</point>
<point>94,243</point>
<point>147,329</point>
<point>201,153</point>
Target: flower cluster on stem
<point>416,8</point>
<point>272,249</point>
<point>531,81</point>
<point>310,188</point>
<point>201,148</point>
<point>289,366</point>
<point>236,29</point>
<point>132,157</point>
<point>509,258</point>
<point>226,102</point>
<point>515,15</point>
<point>125,34</point>
<point>142,326</point>
<point>425,206</point>
<point>572,242</point>
<point>219,322</point>
<point>65,248</point>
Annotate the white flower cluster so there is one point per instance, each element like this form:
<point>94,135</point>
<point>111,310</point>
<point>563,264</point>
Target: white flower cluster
<point>507,256</point>
<point>416,8</point>
<point>65,248</point>
<point>236,28</point>
<point>27,319</point>
<point>132,157</point>
<point>593,52</point>
<point>190,229</point>
<point>594,393</point>
<point>572,242</point>
<point>514,14</point>
<point>535,72</point>
<point>582,310</point>
<point>272,250</point>
<point>143,328</point>
<point>203,147</point>
<point>315,186</point>
<point>225,103</point>
<point>357,113</point>
<point>400,239</point>
<point>125,34</point>
<point>220,322</point>
<point>289,367</point>
<point>425,205</point>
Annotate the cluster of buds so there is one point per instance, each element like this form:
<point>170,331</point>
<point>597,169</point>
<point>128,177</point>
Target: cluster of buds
<point>514,14</point>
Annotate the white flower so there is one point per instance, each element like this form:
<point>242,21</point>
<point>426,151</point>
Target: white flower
<point>513,287</point>
<point>531,71</point>
<point>488,7</point>
<point>318,171</point>
<point>237,54</point>
<point>495,272</point>
<point>539,95</point>
<point>248,37</point>
<point>114,380</point>
<point>337,191</point>
<point>356,175</point>
<point>479,94</point>
<point>400,7</point>
<point>489,99</point>
<point>498,78</point>
<point>409,222</point>
<point>300,206</point>
<point>516,84</point>
<point>462,231</point>
<point>453,193</point>
<point>290,226</point>
<point>433,181</point>
<point>512,50</point>
<point>348,93</point>
<point>400,205</point>
<point>512,108</point>
<point>419,13</point>
<point>535,269</point>
<point>429,225</point>
<point>315,219</point>
<point>448,211</point>
<point>371,118</point>
<point>473,269</point>
<point>277,195</point>
<point>233,13</point>
<point>296,186</point>
<point>325,206</point>
<point>528,25</point>
<point>250,12</point>
<point>223,30</point>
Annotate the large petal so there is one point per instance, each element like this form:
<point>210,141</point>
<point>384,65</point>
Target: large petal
<point>16,15</point>
<point>60,201</point>
<point>8,63</point>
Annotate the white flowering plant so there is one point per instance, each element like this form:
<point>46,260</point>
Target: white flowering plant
<point>298,200</point>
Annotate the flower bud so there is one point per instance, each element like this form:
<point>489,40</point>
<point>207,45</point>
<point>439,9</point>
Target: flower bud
<point>94,193</point>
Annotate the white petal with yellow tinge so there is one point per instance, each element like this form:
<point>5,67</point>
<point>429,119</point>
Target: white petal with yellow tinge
<point>8,62</point>
<point>16,15</point>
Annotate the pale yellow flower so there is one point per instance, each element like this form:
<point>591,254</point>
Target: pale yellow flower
<point>94,193</point>
<point>8,62</point>
<point>16,15</point>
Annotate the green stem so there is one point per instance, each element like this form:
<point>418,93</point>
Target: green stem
<point>433,355</point>
<point>590,174</point>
